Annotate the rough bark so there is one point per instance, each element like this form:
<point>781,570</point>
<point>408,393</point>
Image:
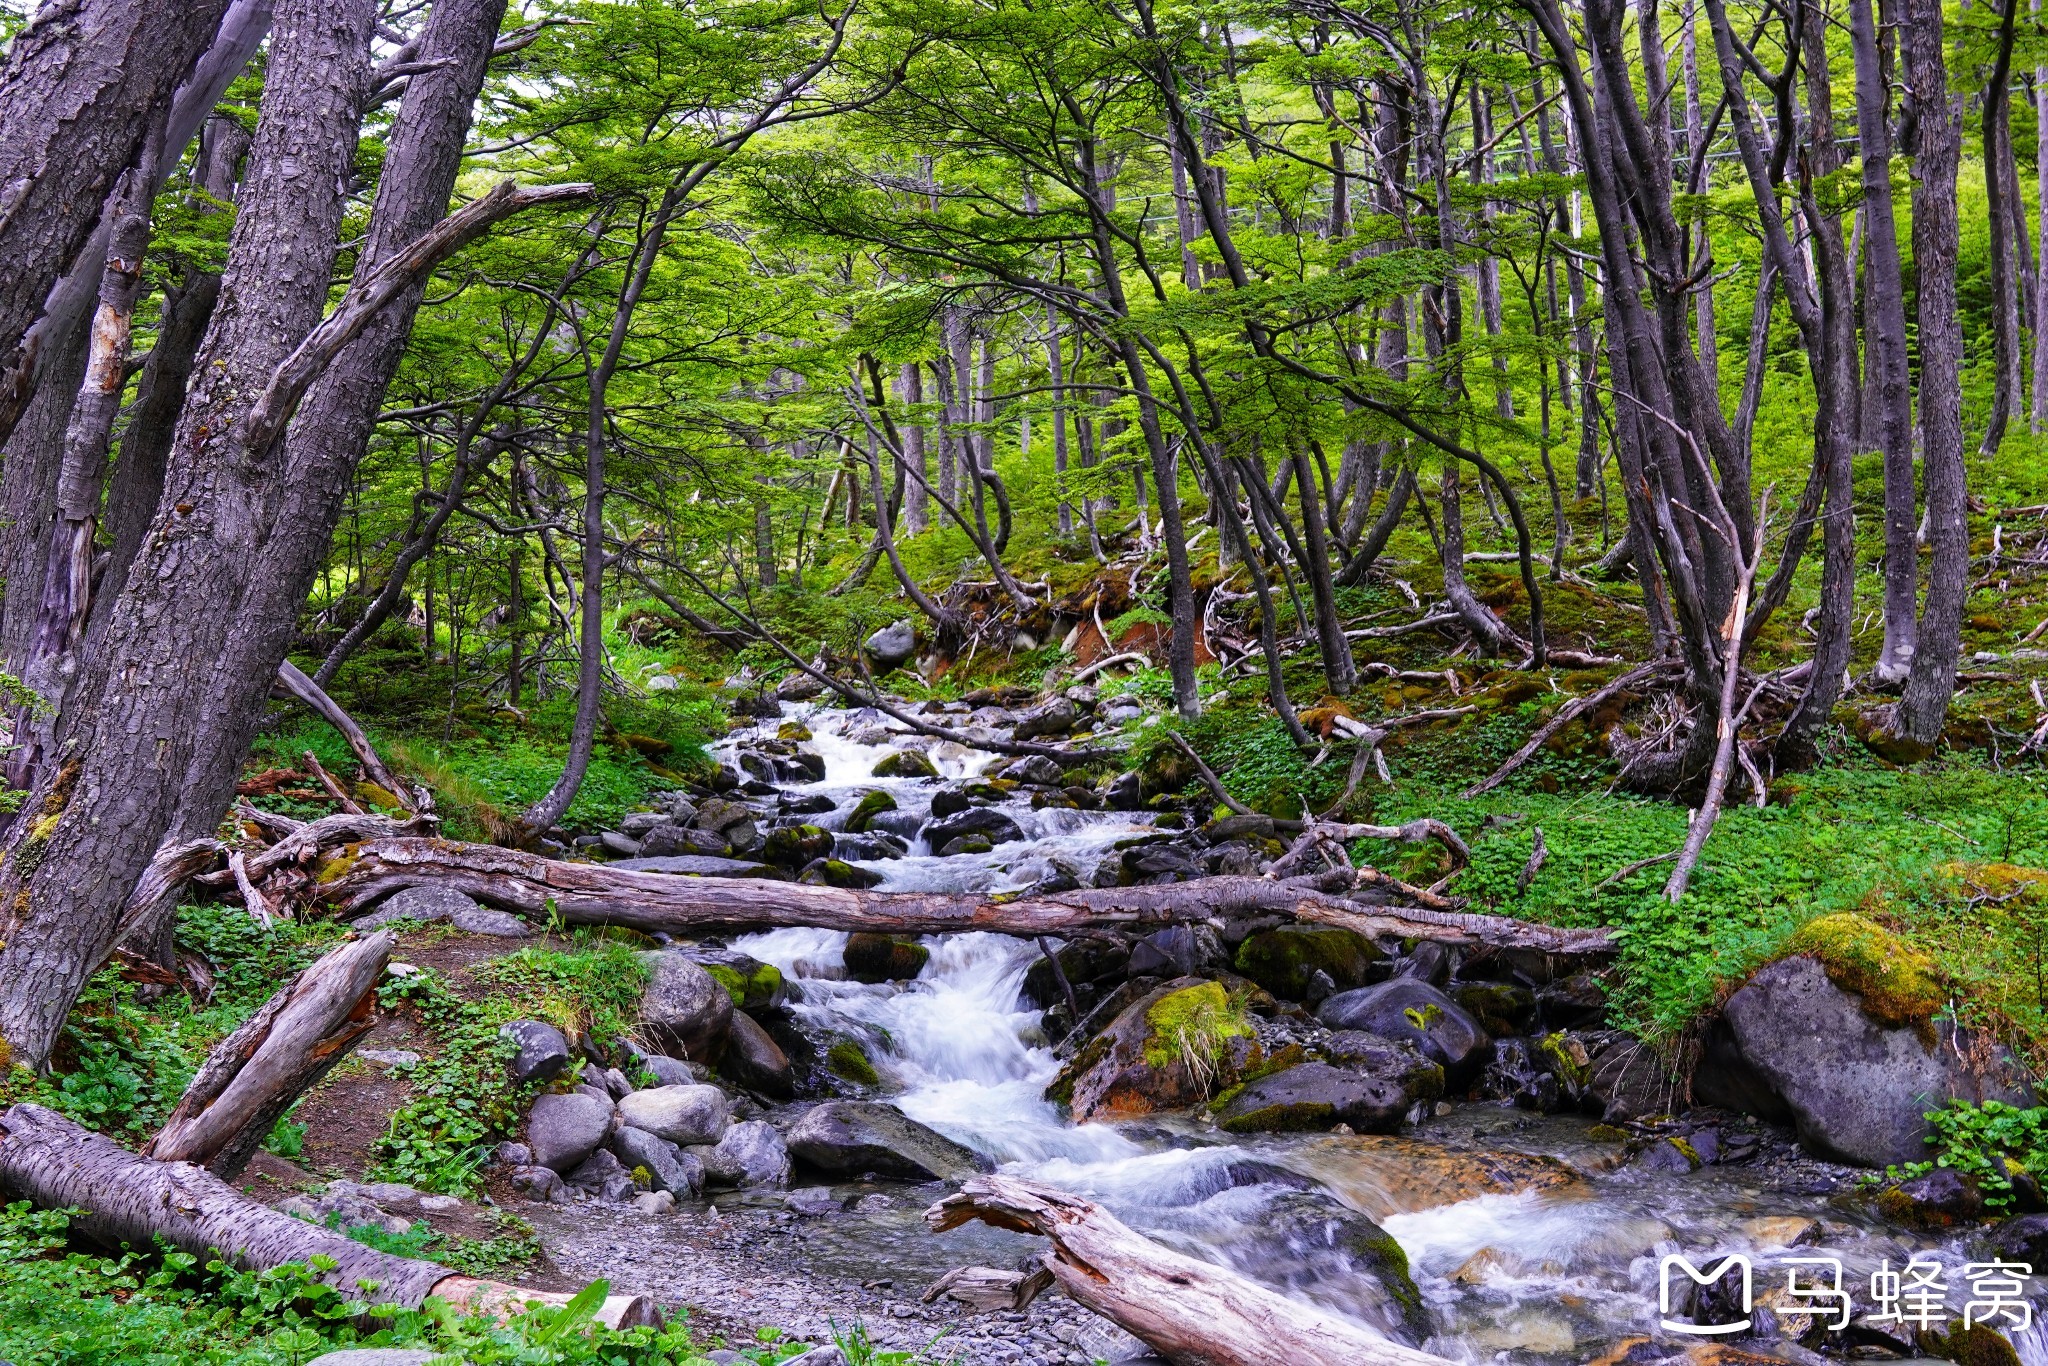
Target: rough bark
<point>82,86</point>
<point>2005,289</point>
<point>585,893</point>
<point>252,1077</point>
<point>1191,1312</point>
<point>102,810</point>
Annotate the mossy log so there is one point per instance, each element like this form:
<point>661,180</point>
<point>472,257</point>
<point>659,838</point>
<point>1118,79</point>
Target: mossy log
<point>1190,1312</point>
<point>592,894</point>
<point>125,1198</point>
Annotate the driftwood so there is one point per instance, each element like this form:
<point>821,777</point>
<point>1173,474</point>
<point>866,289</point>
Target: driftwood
<point>987,1289</point>
<point>349,805</point>
<point>255,1074</point>
<point>54,1163</point>
<point>592,894</point>
<point>1188,1311</point>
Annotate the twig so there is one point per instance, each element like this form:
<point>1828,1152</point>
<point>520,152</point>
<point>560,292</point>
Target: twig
<point>1538,856</point>
<point>1635,867</point>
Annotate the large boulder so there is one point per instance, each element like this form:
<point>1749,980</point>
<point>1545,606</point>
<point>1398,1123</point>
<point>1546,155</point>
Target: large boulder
<point>793,846</point>
<point>1171,1048</point>
<point>542,1050</point>
<point>851,1137</point>
<point>427,904</point>
<point>668,1167</point>
<point>563,1130</point>
<point>1307,1244</point>
<point>1056,717</point>
<point>1397,1063</point>
<point>679,841</point>
<point>680,1114</point>
<point>751,1154</point>
<point>755,1061</point>
<point>1857,1088</point>
<point>1412,1011</point>
<point>1289,959</point>
<point>683,1010</point>
<point>975,823</point>
<point>1178,951</point>
<point>892,646</point>
<point>727,819</point>
<point>1315,1096</point>
<point>874,958</point>
<point>752,984</point>
<point>904,763</point>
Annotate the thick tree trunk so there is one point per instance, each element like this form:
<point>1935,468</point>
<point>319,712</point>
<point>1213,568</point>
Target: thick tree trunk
<point>1191,1312</point>
<point>591,894</point>
<point>2039,412</point>
<point>252,1077</point>
<point>1923,707</point>
<point>83,84</point>
<point>142,710</point>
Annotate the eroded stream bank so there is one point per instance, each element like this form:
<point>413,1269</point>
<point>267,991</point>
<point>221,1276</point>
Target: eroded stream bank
<point>1448,1146</point>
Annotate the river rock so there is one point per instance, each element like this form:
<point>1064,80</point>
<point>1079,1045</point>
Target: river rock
<point>1169,1049</point>
<point>1157,864</point>
<point>563,1130</point>
<point>1304,1242</point>
<point>1284,960</point>
<point>543,1051</point>
<point>1396,1062</point>
<point>680,1114</point>
<point>634,825</point>
<point>892,646</point>
<point>870,805</point>
<point>669,1071</point>
<point>1858,1090</point>
<point>730,821</point>
<point>875,958</point>
<point>1413,1011</point>
<point>1315,1096</point>
<point>1056,717</point>
<point>793,846</point>
<point>2024,1239</point>
<point>603,1175</point>
<point>619,843</point>
<point>683,1009</point>
<point>752,1154</point>
<point>1085,962</point>
<point>685,841</point>
<point>540,1183</point>
<point>904,763</point>
<point>1038,770</point>
<point>854,1136</point>
<point>493,923</point>
<point>752,984</point>
<point>977,822</point>
<point>1626,1078</point>
<point>755,1061</point>
<point>668,1167</point>
<point>1178,951</point>
<point>423,904</point>
<point>832,872</point>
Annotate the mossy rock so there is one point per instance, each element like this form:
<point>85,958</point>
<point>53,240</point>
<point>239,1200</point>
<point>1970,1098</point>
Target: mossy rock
<point>832,872</point>
<point>848,1060</point>
<point>793,846</point>
<point>1194,1025</point>
<point>646,746</point>
<point>759,987</point>
<point>879,958</point>
<point>793,730</point>
<point>1899,984</point>
<point>1284,960</point>
<point>1565,1057</point>
<point>904,763</point>
<point>1978,1345</point>
<point>865,811</point>
<point>1503,1007</point>
<point>1173,1047</point>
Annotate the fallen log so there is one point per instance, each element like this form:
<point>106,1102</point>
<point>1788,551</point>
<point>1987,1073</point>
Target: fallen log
<point>1188,1311</point>
<point>295,682</point>
<point>592,894</point>
<point>253,1075</point>
<point>125,1198</point>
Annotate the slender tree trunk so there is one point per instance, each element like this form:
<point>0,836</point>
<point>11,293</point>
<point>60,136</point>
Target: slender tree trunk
<point>2005,288</point>
<point>1056,364</point>
<point>917,504</point>
<point>2039,413</point>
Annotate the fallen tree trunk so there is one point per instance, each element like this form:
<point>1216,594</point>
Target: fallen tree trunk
<point>1190,1312</point>
<point>592,894</point>
<point>252,1077</point>
<point>294,680</point>
<point>53,1163</point>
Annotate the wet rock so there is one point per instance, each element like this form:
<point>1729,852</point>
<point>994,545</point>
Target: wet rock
<point>754,1061</point>
<point>1410,1010</point>
<point>813,1202</point>
<point>804,803</point>
<point>1171,1048</point>
<point>1053,718</point>
<point>752,1154</point>
<point>1575,1002</point>
<point>978,822</point>
<point>668,1167</point>
<point>1237,858</point>
<point>2023,1239</point>
<point>620,843</point>
<point>564,1130</point>
<point>832,872</point>
<point>543,1051</point>
<point>1158,864</point>
<point>1036,770</point>
<point>1669,1153</point>
<point>1179,951</point>
<point>1283,959</point>
<point>965,844</point>
<point>868,848</point>
<point>881,958</point>
<point>892,646</point>
<point>671,841</point>
<point>793,846</point>
<point>1859,1090</point>
<point>752,984</point>
<point>1315,1096</point>
<point>1627,1079</point>
<point>1086,962</point>
<point>1420,1078</point>
<point>863,815</point>
<point>680,1114</point>
<point>1256,826</point>
<point>683,1009</point>
<point>539,1183</point>
<point>1429,962</point>
<point>904,763</point>
<point>603,1176</point>
<point>423,904</point>
<point>1307,1243</point>
<point>495,924</point>
<point>635,824</point>
<point>1126,792</point>
<point>1500,1007</point>
<point>854,1136</point>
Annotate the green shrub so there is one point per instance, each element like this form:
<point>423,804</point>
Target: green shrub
<point>1986,1142</point>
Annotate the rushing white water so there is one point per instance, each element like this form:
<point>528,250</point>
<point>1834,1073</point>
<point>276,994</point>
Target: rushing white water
<point>1550,1277</point>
